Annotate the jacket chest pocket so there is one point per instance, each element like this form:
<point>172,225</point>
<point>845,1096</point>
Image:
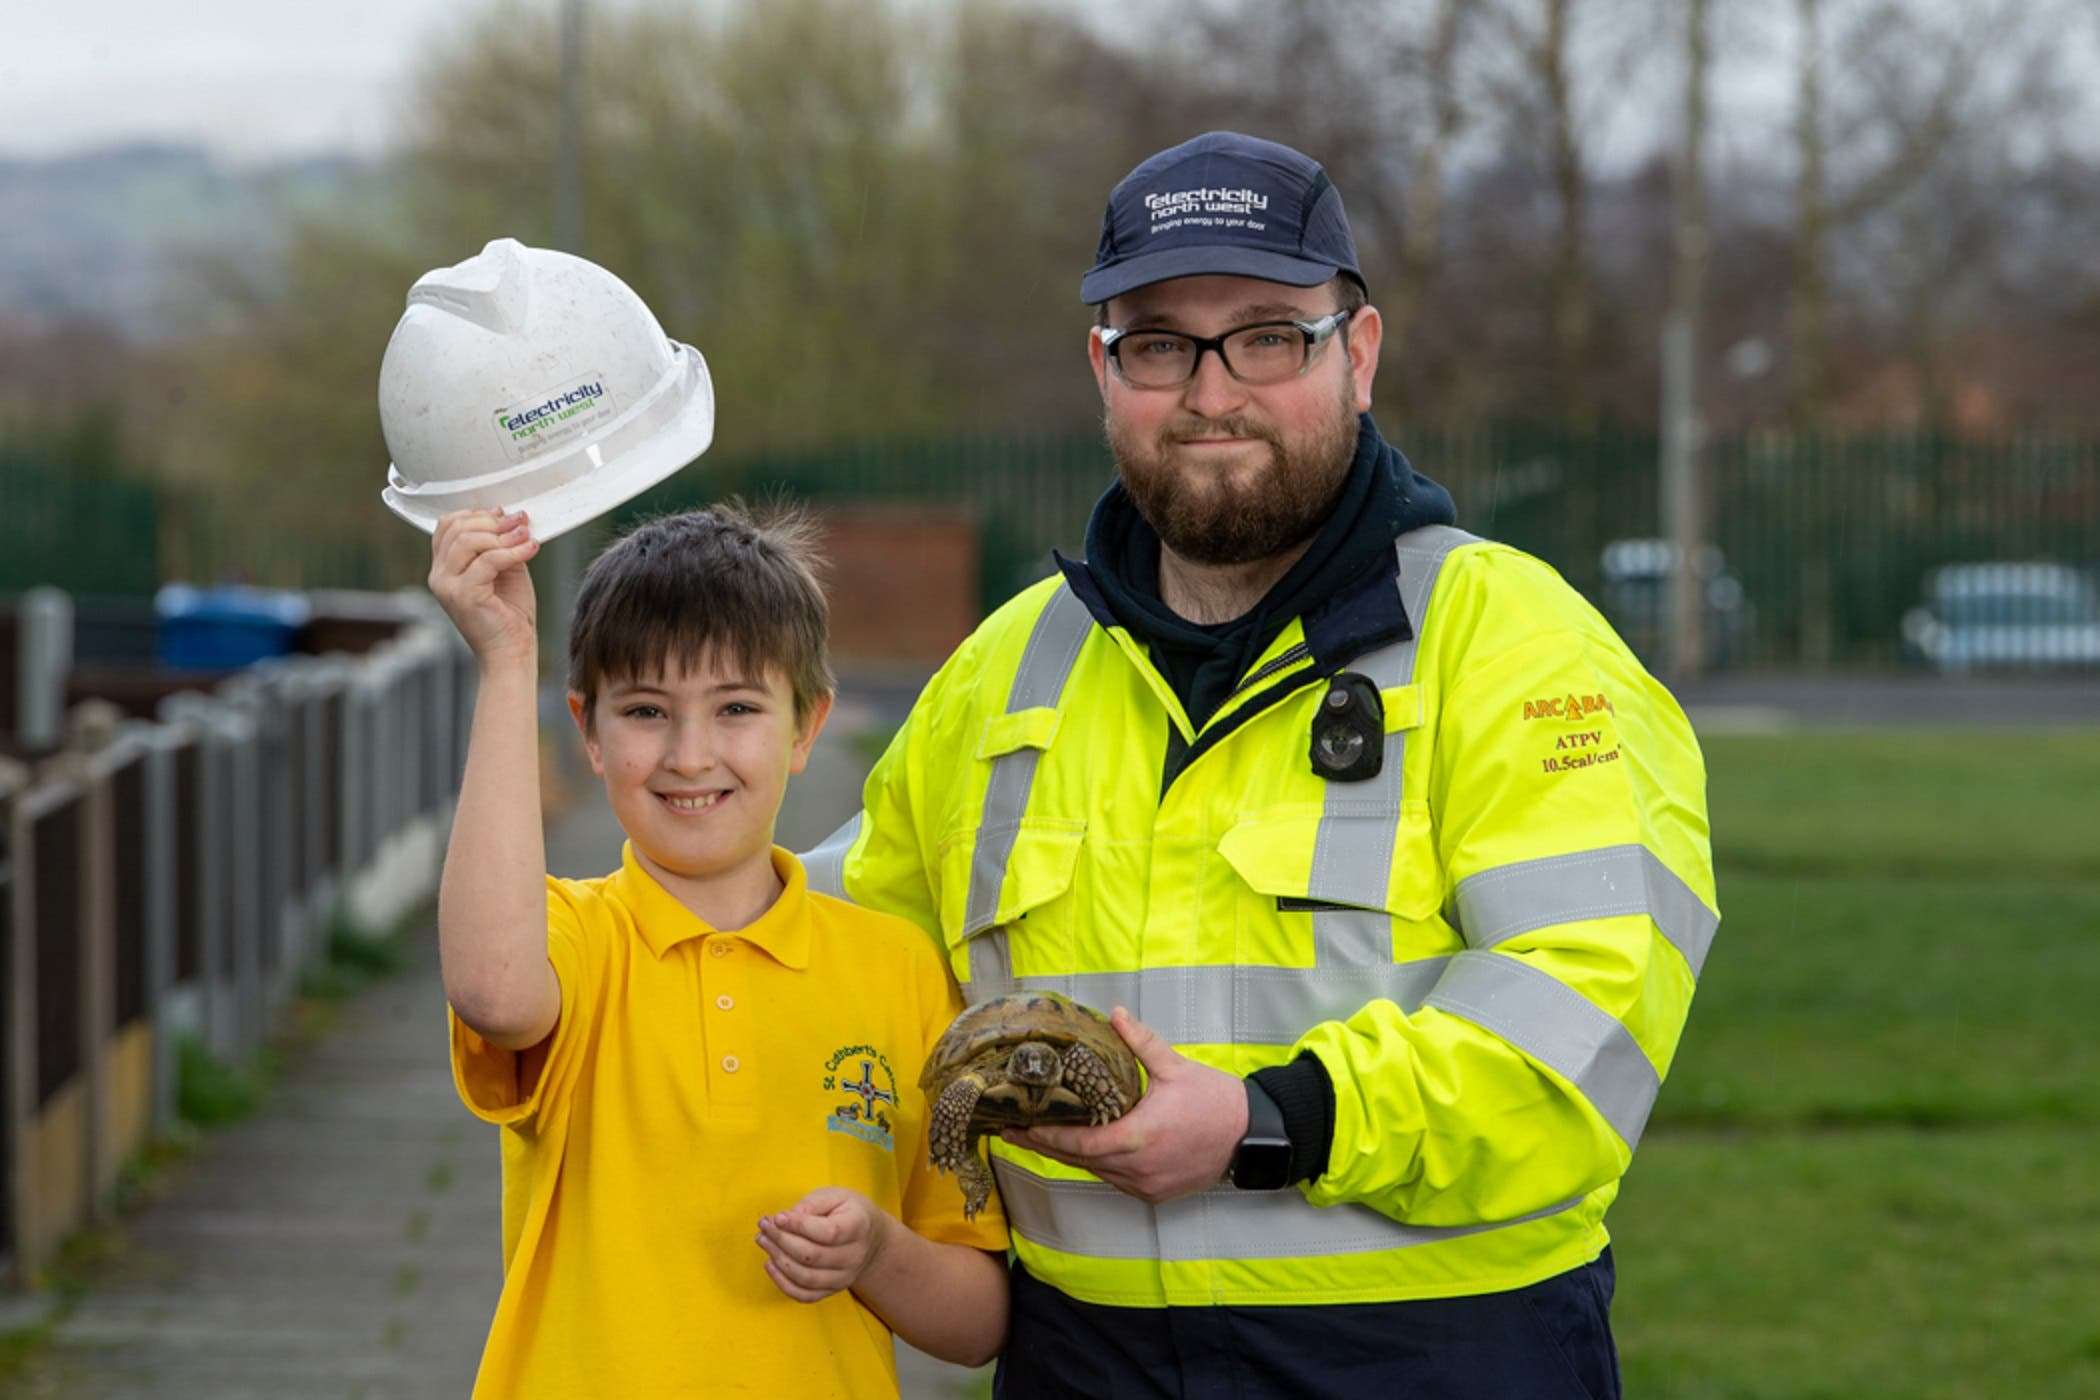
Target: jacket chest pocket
<point>1009,865</point>
<point>998,874</point>
<point>1300,861</point>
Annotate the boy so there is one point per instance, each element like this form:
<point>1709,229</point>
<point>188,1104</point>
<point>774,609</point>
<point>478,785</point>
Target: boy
<point>676,1049</point>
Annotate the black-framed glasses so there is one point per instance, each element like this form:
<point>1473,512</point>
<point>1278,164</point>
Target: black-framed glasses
<point>1266,352</point>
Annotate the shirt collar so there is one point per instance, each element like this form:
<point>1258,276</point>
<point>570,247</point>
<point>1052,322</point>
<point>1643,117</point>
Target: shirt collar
<point>782,932</point>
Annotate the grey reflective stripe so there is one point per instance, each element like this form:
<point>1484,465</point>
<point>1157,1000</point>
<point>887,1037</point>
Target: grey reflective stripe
<point>1547,1019</point>
<point>1352,864</point>
<point>1012,775</point>
<point>991,969</point>
<point>825,864</point>
<point>1499,904</point>
<point>1093,1219</point>
<point>1425,550</point>
<point>1223,1005</point>
<point>1557,1026</point>
<point>1060,630</point>
<point>1352,938</point>
<point>1046,663</point>
<point>1353,849</point>
<point>1421,554</point>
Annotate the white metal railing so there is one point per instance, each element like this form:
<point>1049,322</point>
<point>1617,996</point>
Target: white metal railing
<point>181,875</point>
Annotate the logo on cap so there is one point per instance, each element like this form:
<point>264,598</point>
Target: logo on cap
<point>1207,208</point>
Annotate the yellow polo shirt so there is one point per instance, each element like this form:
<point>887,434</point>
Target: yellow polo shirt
<point>695,1081</point>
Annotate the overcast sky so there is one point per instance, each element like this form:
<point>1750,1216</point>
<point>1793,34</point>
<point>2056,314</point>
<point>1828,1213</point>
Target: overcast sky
<point>260,79</point>
<point>253,78</point>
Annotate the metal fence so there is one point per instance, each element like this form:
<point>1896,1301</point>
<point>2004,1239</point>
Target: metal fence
<point>273,535</point>
<point>1823,547</point>
<point>174,885</point>
<point>87,533</point>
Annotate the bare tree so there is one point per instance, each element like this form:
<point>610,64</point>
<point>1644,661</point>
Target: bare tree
<point>1683,432</point>
<point>1914,84</point>
<point>1809,296</point>
<point>1558,70</point>
<point>1038,120</point>
<point>1534,93</point>
<point>1378,93</point>
<point>1430,153</point>
<point>1571,280</point>
<point>1905,164</point>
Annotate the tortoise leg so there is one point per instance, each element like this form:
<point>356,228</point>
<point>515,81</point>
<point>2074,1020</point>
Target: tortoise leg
<point>1086,1074</point>
<point>975,1178</point>
<point>948,1142</point>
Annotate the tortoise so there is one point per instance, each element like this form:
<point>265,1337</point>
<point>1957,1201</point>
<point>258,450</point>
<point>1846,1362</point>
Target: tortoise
<point>1015,1061</point>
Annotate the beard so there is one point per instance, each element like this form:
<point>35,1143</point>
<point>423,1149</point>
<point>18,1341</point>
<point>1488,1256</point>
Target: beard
<point>1234,515</point>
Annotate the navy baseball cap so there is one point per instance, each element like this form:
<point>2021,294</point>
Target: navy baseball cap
<point>1222,203</point>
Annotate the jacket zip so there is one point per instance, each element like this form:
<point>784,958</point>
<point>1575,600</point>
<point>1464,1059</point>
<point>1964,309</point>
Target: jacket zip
<point>1288,657</point>
<point>1261,704</point>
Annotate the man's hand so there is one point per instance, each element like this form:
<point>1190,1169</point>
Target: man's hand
<point>823,1243</point>
<point>1178,1140</point>
<point>477,572</point>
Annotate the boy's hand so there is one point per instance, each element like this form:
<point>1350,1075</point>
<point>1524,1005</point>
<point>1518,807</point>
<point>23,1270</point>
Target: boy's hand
<point>477,571</point>
<point>823,1243</point>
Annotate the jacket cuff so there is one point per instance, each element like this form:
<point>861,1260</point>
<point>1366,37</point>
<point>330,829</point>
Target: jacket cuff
<point>1306,1095</point>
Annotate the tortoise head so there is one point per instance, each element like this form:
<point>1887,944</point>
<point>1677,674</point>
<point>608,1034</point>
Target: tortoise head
<point>1033,1062</point>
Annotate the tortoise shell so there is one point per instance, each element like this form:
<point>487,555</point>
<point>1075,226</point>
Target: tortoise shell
<point>1004,1022</point>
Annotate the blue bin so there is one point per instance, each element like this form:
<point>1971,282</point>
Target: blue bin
<point>224,629</point>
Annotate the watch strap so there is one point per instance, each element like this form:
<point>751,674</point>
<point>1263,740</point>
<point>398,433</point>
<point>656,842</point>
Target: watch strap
<point>1262,1161</point>
<point>1302,1089</point>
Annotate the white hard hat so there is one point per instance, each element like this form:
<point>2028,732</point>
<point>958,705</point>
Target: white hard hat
<point>530,379</point>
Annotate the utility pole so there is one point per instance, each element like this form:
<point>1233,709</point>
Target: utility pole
<point>565,559</point>
<point>1683,432</point>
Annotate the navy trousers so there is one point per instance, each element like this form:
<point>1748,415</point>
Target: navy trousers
<point>1551,1341</point>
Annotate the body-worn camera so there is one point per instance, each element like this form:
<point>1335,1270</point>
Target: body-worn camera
<point>1348,733</point>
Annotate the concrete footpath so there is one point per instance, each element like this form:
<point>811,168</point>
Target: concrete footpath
<point>344,1242</point>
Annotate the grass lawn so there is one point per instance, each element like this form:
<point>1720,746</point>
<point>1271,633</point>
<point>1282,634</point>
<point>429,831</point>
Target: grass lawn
<point>1875,1167</point>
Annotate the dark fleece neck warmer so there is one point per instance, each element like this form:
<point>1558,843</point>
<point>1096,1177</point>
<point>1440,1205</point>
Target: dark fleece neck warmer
<point>1382,498</point>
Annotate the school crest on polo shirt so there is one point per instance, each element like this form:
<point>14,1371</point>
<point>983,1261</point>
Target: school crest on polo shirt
<point>867,1086</point>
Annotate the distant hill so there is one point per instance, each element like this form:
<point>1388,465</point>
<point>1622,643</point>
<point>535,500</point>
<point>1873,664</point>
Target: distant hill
<point>100,236</point>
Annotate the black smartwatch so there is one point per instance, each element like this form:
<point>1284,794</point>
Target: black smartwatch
<point>1262,1161</point>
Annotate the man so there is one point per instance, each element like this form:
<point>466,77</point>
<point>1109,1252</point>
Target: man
<point>1396,854</point>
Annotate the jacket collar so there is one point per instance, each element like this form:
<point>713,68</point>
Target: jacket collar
<point>1345,587</point>
<point>782,932</point>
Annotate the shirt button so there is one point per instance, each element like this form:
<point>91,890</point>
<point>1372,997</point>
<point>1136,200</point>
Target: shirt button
<point>720,950</point>
<point>731,1063</point>
<point>725,1002</point>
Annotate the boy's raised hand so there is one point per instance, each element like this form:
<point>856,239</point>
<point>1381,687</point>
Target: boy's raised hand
<point>477,572</point>
<point>823,1243</point>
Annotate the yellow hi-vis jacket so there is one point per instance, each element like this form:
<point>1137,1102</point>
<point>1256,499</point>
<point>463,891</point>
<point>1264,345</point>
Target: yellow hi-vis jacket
<point>1490,945</point>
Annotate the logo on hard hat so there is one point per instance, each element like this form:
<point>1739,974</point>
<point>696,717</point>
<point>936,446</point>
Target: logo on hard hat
<point>556,417</point>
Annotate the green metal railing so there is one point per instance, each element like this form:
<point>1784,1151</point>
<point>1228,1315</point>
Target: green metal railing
<point>1833,537</point>
<point>277,539</point>
<point>84,532</point>
<point>1826,540</point>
